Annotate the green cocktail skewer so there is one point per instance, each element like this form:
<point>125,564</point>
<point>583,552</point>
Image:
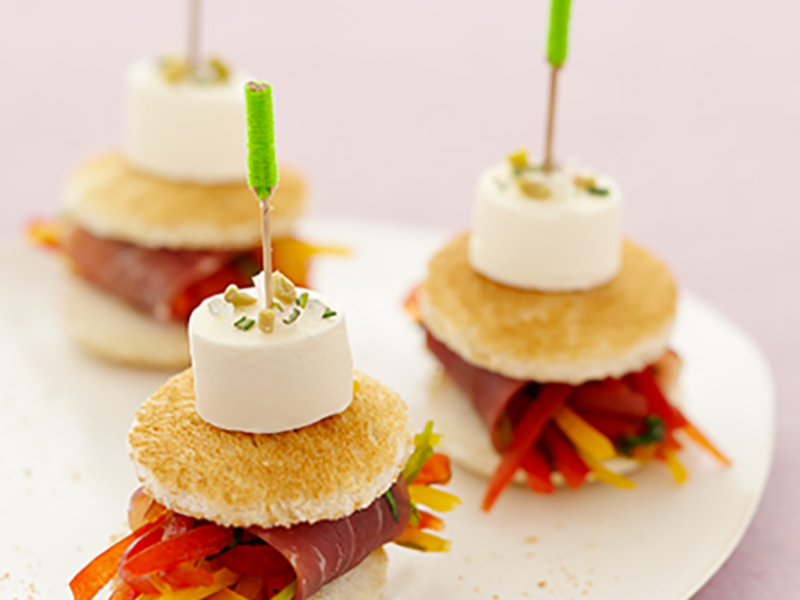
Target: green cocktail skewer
<point>262,166</point>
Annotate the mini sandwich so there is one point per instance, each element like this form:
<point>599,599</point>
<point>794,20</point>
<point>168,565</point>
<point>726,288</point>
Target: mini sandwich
<point>552,334</point>
<point>270,469</point>
<point>150,231</point>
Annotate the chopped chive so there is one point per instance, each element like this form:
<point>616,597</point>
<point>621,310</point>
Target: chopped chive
<point>292,317</point>
<point>277,306</point>
<point>302,300</point>
<point>392,505</point>
<point>598,191</point>
<point>244,323</point>
<point>328,313</point>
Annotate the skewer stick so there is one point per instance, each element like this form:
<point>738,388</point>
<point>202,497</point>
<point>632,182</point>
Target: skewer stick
<point>557,45</point>
<point>551,120</point>
<point>193,36</point>
<point>266,248</point>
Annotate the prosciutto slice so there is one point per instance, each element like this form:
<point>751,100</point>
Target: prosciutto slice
<point>320,552</point>
<point>491,393</point>
<point>153,280</point>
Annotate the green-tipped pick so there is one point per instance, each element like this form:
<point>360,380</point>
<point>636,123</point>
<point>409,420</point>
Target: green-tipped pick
<point>559,32</point>
<point>262,166</point>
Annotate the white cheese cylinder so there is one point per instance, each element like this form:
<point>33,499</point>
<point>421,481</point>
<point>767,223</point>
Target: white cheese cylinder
<point>185,131</point>
<point>258,382</point>
<point>570,240</point>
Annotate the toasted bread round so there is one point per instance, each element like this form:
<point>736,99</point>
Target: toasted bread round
<point>570,337</point>
<point>323,471</point>
<point>109,329</point>
<point>109,198</point>
<point>365,582</point>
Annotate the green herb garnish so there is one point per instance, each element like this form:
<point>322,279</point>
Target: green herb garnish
<point>389,495</point>
<point>654,431</point>
<point>597,191</point>
<point>423,450</point>
<point>277,306</point>
<point>302,300</point>
<point>328,313</point>
<point>244,323</point>
<point>292,317</point>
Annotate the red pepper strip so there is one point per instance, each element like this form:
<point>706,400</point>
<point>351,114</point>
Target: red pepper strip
<point>701,439</point>
<point>187,576</point>
<point>124,592</point>
<point>429,521</point>
<point>551,397</point>
<point>94,576</point>
<point>566,459</point>
<point>259,559</point>
<point>435,470</point>
<point>537,471</point>
<point>185,302</point>
<point>613,427</point>
<point>644,383</point>
<point>609,396</point>
<point>197,543</point>
<point>145,584</point>
<point>178,525</point>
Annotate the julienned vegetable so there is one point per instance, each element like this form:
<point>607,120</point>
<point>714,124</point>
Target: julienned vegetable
<point>170,556</point>
<point>571,430</point>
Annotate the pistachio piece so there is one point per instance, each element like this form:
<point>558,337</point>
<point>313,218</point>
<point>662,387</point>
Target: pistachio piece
<point>284,289</point>
<point>584,182</point>
<point>518,160</point>
<point>174,69</point>
<point>266,320</point>
<point>533,189</point>
<point>220,69</point>
<point>237,297</point>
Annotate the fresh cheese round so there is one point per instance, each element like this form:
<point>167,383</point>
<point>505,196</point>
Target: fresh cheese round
<point>257,381</point>
<point>186,130</point>
<point>557,231</point>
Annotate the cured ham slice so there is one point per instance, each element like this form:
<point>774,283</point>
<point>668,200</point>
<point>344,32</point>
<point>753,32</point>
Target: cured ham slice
<point>167,284</point>
<point>491,393</point>
<point>320,552</point>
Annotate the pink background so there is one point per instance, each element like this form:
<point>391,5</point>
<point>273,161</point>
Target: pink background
<point>391,109</point>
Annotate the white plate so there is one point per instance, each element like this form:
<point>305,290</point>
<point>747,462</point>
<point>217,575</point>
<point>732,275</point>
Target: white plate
<point>66,477</point>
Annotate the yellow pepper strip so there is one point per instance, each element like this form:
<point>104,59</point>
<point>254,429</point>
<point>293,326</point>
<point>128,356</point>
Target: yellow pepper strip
<point>46,233</point>
<point>678,471</point>
<point>286,593</point>
<point>601,473</point>
<point>432,498</point>
<point>222,579</point>
<point>585,437</point>
<point>227,594</point>
<point>292,255</point>
<point>421,540</point>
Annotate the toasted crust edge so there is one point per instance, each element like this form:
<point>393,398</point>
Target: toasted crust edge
<point>110,198</point>
<point>323,471</point>
<point>550,336</point>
